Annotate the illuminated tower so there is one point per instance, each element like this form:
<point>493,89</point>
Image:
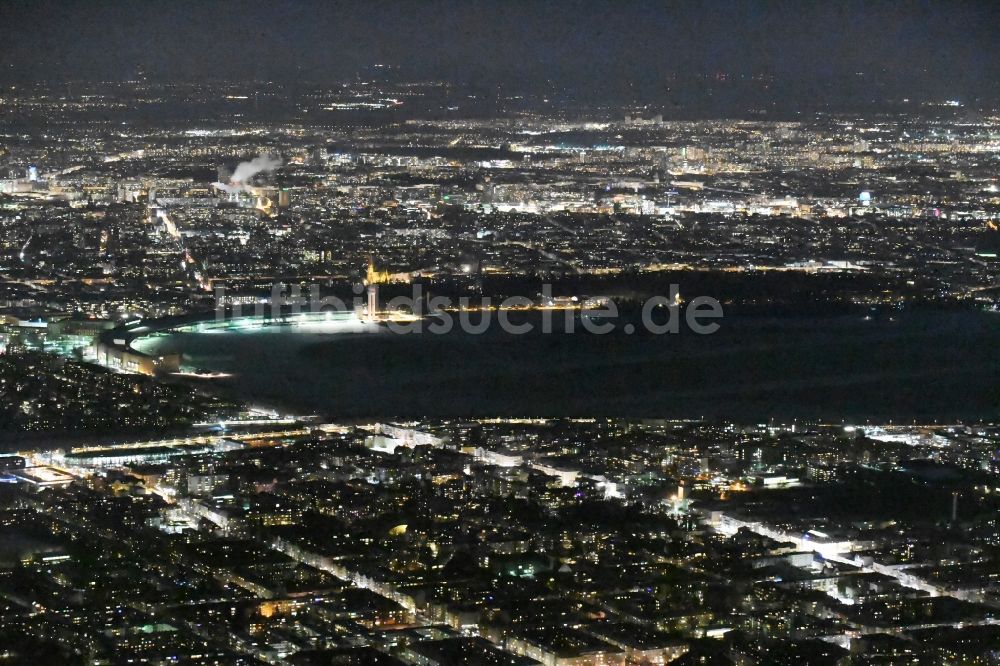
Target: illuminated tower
<point>372,301</point>
<point>372,280</point>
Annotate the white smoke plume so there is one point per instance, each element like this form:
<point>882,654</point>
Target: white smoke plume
<point>247,170</point>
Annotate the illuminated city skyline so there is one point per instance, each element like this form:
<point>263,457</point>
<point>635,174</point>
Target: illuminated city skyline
<point>439,333</point>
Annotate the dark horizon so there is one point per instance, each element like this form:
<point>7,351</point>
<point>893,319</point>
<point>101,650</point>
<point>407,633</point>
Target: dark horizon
<point>686,54</point>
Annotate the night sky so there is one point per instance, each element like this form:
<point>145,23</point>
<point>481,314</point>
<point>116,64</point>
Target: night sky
<point>800,49</point>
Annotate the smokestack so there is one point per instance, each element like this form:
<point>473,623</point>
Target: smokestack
<point>954,507</point>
